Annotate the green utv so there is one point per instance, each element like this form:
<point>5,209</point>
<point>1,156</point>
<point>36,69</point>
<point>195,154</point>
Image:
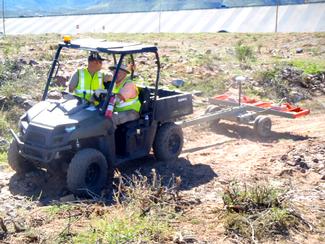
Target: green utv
<point>74,136</point>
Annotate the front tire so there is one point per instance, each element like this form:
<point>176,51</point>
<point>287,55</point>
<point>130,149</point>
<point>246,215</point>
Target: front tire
<point>168,142</point>
<point>87,172</point>
<point>17,162</point>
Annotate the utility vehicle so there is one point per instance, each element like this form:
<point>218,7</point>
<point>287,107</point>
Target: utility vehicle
<point>75,136</point>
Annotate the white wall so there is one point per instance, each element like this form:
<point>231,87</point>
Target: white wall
<point>291,18</point>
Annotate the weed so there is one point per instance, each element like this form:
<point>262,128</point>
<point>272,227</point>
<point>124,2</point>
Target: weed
<point>258,212</point>
<point>3,157</point>
<point>54,210</point>
<point>123,225</point>
<point>244,53</point>
<point>4,125</point>
<point>309,66</point>
<point>142,214</point>
<point>208,87</point>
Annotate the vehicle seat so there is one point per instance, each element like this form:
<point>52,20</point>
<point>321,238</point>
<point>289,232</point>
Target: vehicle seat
<point>144,97</point>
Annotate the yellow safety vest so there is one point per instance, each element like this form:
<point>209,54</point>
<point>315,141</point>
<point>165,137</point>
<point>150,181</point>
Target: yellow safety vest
<point>130,104</point>
<point>88,84</point>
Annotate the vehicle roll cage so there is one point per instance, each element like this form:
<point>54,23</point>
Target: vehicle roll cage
<point>102,46</point>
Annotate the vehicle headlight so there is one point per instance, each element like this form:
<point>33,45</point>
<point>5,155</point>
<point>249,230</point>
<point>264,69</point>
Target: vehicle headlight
<point>70,128</point>
<point>23,126</point>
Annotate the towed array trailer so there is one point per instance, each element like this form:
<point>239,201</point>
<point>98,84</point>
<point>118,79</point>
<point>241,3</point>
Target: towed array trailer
<point>245,110</point>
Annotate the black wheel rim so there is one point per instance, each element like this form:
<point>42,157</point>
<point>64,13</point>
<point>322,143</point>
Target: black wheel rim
<point>92,174</point>
<point>174,143</point>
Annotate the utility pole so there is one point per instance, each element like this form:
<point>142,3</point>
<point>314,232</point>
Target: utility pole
<point>276,16</point>
<point>159,17</point>
<point>3,17</point>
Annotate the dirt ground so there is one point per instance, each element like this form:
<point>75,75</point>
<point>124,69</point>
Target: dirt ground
<point>293,157</point>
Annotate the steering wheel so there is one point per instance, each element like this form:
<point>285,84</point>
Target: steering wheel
<point>68,94</point>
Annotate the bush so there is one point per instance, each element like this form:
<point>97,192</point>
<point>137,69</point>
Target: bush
<point>142,214</point>
<point>258,212</point>
<point>4,126</point>
<point>308,66</point>
<point>244,53</point>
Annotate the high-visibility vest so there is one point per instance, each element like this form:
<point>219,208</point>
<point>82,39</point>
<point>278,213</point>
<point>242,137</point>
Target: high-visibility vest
<point>88,84</point>
<point>130,104</point>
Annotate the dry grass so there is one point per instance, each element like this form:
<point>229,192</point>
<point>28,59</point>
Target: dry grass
<point>259,212</point>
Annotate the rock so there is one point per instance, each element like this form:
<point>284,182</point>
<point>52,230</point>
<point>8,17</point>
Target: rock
<point>181,238</point>
<point>32,62</point>
<point>284,157</point>
<point>60,81</point>
<point>28,104</point>
<point>323,177</point>
<point>18,99</point>
<point>302,170</point>
<point>3,142</point>
<point>189,70</point>
<point>295,96</point>
<point>56,95</point>
<point>299,50</point>
<point>178,83</point>
<point>303,165</point>
<point>68,198</point>
<point>22,61</point>
<point>286,172</point>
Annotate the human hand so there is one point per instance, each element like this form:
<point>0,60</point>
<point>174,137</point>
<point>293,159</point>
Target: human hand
<point>108,77</point>
<point>98,92</point>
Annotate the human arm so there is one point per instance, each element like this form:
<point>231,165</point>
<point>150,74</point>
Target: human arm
<point>73,82</point>
<point>128,91</point>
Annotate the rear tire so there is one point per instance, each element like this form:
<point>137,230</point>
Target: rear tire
<point>262,126</point>
<point>168,142</point>
<point>17,162</point>
<point>87,172</point>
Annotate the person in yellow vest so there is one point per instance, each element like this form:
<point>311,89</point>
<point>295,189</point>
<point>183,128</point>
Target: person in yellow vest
<point>84,82</point>
<point>127,105</point>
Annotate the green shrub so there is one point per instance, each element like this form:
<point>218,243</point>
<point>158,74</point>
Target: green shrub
<point>244,53</point>
<point>142,214</point>
<point>258,212</point>
<point>308,66</point>
<point>3,157</point>
<point>123,225</point>
<point>4,126</point>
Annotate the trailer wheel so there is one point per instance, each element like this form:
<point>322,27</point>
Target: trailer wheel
<point>262,126</point>
<point>215,123</point>
<point>87,172</point>
<point>17,162</point>
<point>168,142</point>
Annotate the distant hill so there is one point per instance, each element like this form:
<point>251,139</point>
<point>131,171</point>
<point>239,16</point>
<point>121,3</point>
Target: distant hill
<point>23,8</point>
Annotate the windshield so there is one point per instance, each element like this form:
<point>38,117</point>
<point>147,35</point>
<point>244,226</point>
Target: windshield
<point>65,76</point>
